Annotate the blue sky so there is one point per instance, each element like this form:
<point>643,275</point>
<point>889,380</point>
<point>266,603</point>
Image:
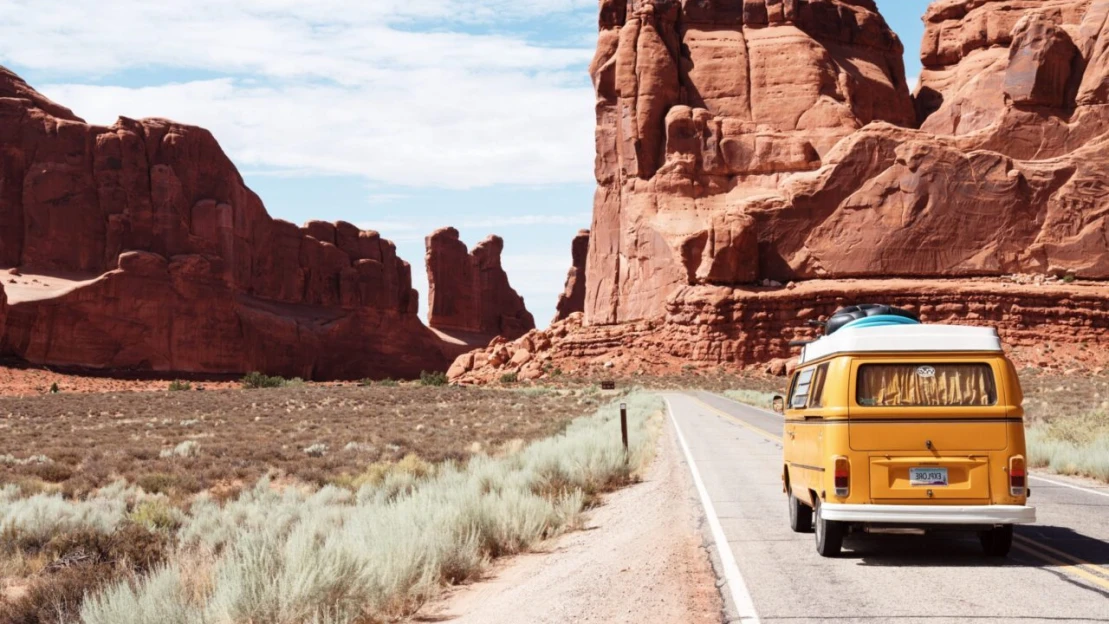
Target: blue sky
<point>397,115</point>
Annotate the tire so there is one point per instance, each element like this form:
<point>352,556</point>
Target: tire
<point>800,515</point>
<point>997,542</point>
<point>829,534</point>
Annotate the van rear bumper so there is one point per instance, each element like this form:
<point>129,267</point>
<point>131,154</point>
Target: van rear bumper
<point>930,514</point>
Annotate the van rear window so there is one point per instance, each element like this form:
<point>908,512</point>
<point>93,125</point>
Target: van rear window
<point>926,385</point>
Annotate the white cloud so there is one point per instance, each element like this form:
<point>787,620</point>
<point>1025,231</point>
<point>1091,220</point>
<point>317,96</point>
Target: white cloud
<point>330,87</point>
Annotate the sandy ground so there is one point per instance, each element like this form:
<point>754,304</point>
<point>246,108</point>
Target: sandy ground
<point>25,380</point>
<point>641,559</point>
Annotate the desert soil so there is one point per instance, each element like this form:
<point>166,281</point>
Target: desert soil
<point>641,559</point>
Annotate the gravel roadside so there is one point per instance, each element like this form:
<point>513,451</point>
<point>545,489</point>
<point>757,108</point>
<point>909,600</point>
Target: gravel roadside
<point>641,559</point>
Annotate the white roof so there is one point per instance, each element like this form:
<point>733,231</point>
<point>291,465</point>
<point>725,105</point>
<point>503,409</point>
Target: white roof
<point>904,338</point>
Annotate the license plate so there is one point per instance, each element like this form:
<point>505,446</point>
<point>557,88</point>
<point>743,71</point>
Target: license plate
<point>928,477</point>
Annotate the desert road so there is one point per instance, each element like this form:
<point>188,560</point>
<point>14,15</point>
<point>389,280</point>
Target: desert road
<point>1058,570</point>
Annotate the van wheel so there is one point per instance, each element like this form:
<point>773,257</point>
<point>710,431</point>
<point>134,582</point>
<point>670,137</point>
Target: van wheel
<point>800,515</point>
<point>829,534</point>
<point>997,542</point>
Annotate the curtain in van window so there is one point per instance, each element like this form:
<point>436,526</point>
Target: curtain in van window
<point>926,385</point>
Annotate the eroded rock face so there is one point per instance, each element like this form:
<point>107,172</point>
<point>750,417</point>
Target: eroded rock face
<point>740,172</point>
<point>745,192</point>
<point>980,54</point>
<point>470,292</point>
<point>194,274</point>
<point>572,299</point>
<point>704,104</point>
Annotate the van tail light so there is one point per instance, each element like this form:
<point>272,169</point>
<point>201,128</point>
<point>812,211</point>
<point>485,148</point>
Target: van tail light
<point>843,477</point>
<point>1018,477</point>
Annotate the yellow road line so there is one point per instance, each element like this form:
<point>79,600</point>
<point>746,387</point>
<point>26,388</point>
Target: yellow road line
<point>1026,543</point>
<point>1063,567</point>
<point>740,422</point>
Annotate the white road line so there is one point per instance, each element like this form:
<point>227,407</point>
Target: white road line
<point>740,596</point>
<point>1068,485</point>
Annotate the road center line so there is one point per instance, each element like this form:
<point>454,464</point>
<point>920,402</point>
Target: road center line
<point>1063,567</point>
<point>1096,569</point>
<point>732,576</point>
<point>1068,485</point>
<point>740,422</point>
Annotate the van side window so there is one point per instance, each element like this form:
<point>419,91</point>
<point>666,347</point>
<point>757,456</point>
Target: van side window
<point>817,393</point>
<point>800,397</point>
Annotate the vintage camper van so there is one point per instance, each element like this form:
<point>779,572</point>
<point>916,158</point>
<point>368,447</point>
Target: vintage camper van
<point>891,423</point>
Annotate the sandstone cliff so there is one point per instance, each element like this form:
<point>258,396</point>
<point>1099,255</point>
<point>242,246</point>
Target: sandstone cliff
<point>747,144</point>
<point>572,298</point>
<point>172,264</point>
<point>470,292</point>
<point>738,170</point>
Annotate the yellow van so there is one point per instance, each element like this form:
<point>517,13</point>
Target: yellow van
<point>895,424</point>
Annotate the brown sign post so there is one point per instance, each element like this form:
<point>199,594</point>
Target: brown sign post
<point>624,426</point>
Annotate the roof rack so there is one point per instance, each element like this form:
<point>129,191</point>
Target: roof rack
<point>912,338</point>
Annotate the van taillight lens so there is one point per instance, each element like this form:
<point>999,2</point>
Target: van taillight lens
<point>1018,477</point>
<point>843,477</point>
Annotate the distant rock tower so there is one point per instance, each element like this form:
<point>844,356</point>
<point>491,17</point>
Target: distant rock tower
<point>469,292</point>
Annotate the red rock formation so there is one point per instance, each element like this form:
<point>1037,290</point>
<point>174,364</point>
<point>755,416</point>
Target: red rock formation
<point>717,169</point>
<point>469,292</point>
<point>194,276</point>
<point>1046,325</point>
<point>697,116</point>
<point>572,298</point>
<point>977,53</point>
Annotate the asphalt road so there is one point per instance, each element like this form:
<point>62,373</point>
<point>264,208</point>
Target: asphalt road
<point>1058,571</point>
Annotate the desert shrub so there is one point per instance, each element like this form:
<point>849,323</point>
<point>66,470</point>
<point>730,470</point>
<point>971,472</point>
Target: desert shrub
<point>510,378</point>
<point>56,598</point>
<point>1067,450</point>
<point>366,383</point>
<point>316,450</point>
<point>433,379</point>
<point>34,459</point>
<point>188,448</point>
<point>157,482</point>
<point>180,386</point>
<point>157,515</point>
<point>389,383</point>
<point>51,472</point>
<point>256,380</point>
<point>29,523</point>
<point>358,447</point>
<point>82,562</point>
<point>379,553</point>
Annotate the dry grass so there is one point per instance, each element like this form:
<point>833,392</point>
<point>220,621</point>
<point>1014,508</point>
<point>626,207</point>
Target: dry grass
<point>178,498</point>
<point>181,443</point>
<point>1068,418</point>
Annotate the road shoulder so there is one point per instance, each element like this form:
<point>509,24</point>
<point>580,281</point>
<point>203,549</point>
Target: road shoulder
<point>642,559</point>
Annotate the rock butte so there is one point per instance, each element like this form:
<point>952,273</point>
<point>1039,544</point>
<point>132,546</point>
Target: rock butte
<point>572,298</point>
<point>469,292</point>
<point>746,144</point>
<point>140,248</point>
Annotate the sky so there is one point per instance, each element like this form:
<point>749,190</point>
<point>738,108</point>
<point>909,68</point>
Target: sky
<point>401,116</point>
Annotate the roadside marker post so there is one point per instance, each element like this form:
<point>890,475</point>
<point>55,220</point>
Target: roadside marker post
<point>624,427</point>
